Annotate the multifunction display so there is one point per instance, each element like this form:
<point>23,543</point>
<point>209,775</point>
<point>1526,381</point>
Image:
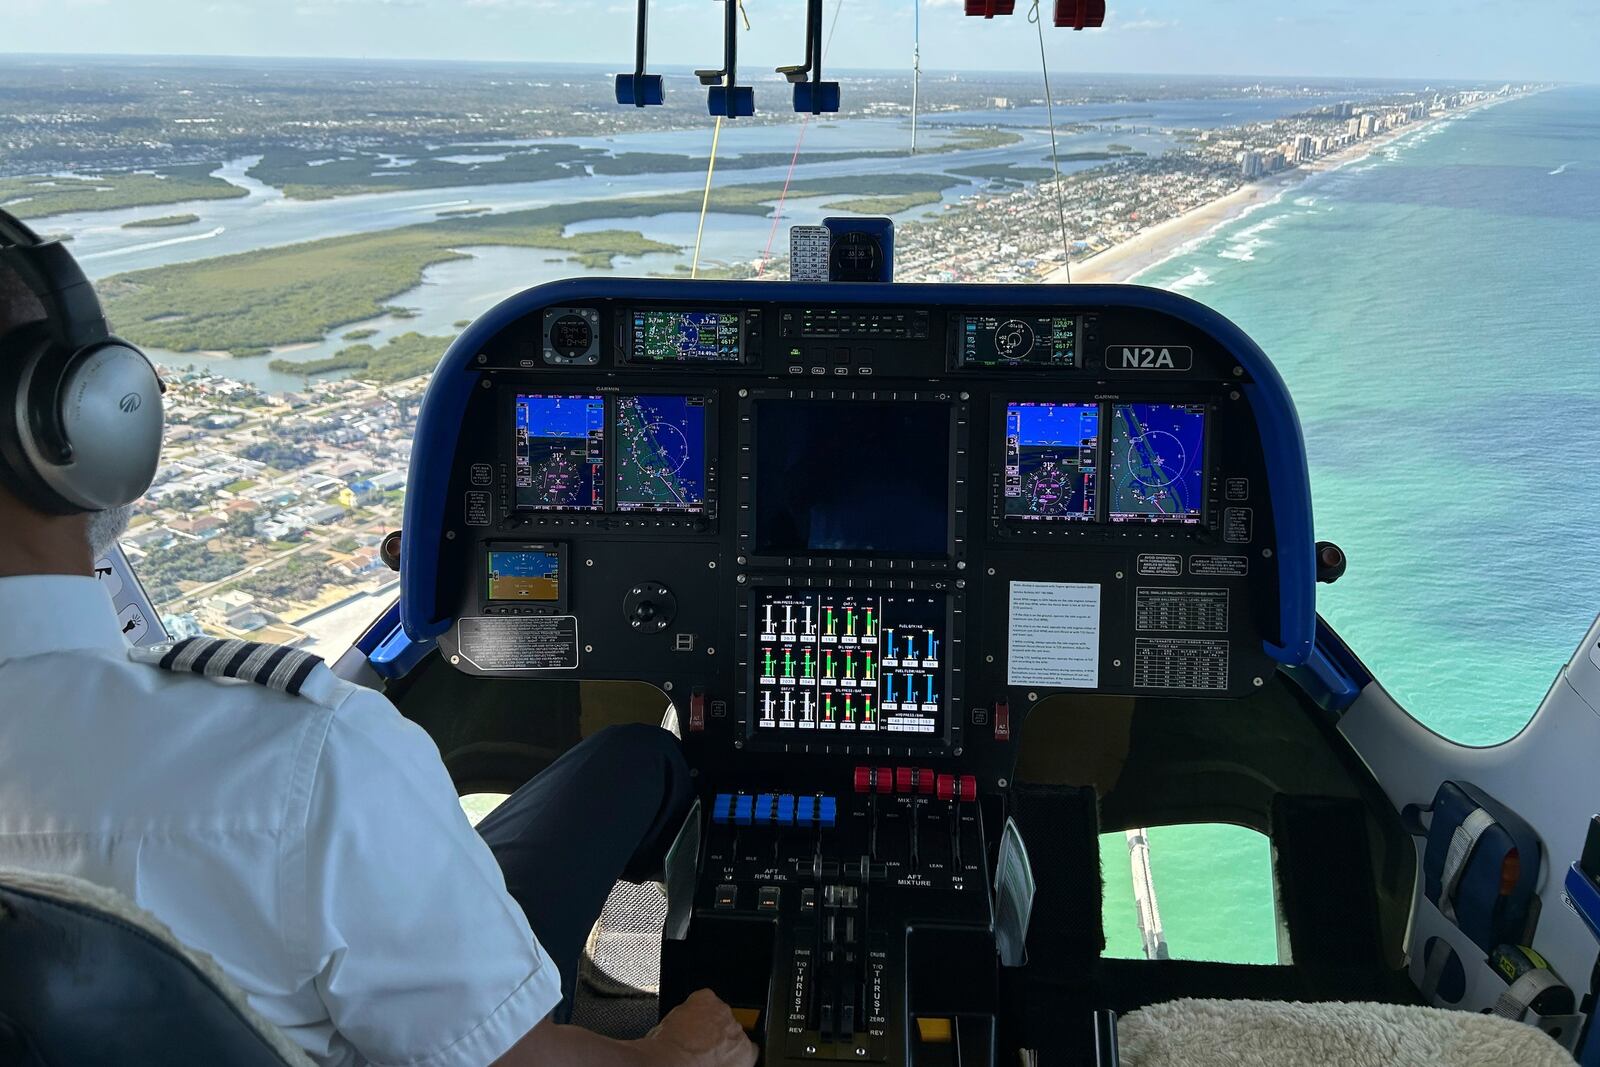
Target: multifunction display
<point>666,336</point>
<point>850,662</point>
<point>852,477</point>
<point>1018,341</point>
<point>661,453</point>
<point>1157,462</point>
<point>531,575</point>
<point>560,452</point>
<point>1052,460</point>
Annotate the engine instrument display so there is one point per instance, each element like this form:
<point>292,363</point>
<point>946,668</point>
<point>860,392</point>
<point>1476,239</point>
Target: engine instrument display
<point>850,662</point>
<point>862,477</point>
<point>560,452</point>
<point>1157,462</point>
<point>661,453</point>
<point>666,336</point>
<point>1052,461</point>
<point>1018,341</point>
<point>531,575</point>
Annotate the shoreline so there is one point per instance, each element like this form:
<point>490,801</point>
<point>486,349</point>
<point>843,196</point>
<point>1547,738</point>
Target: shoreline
<point>1148,249</point>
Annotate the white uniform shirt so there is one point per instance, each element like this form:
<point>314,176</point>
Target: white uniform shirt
<point>313,845</point>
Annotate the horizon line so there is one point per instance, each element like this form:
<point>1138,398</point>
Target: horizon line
<point>602,66</point>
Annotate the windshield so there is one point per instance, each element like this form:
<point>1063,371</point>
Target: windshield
<point>1401,206</point>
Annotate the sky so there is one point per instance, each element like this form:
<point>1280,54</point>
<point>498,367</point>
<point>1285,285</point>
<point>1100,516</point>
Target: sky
<point>1556,40</point>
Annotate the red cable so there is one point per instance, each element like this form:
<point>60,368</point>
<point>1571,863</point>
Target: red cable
<point>777,215</point>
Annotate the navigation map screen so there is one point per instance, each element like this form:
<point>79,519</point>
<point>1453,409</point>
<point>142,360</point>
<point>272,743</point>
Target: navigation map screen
<point>850,662</point>
<point>560,452</point>
<point>1052,458</point>
<point>687,337</point>
<point>661,454</point>
<point>532,575</point>
<point>1157,462</point>
<point>1018,341</point>
<point>852,477</point>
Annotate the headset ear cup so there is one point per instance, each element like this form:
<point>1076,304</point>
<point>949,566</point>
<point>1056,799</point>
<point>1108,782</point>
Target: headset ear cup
<point>21,353</point>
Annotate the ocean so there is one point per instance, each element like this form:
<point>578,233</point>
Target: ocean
<point>1432,308</point>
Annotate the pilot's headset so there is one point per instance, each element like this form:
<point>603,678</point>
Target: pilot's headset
<point>80,410</point>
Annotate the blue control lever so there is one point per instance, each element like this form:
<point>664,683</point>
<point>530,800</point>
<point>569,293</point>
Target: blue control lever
<point>641,89</point>
<point>811,93</point>
<point>727,97</point>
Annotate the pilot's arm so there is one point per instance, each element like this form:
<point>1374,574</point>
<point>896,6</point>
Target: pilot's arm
<point>419,954</point>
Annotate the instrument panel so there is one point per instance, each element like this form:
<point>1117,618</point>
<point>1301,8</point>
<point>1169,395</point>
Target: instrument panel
<point>857,535</point>
<point>857,520</point>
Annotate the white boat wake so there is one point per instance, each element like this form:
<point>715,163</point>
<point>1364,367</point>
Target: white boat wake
<point>151,245</point>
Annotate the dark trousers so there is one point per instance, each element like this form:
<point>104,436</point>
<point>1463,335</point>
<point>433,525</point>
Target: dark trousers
<point>606,811</point>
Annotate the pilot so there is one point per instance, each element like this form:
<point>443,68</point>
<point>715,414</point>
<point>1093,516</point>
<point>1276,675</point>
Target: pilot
<point>288,823</point>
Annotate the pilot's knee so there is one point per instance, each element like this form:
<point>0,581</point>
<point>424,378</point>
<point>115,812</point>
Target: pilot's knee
<point>640,745</point>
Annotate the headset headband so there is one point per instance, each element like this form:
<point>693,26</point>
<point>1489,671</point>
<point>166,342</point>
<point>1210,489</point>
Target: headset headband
<point>48,269</point>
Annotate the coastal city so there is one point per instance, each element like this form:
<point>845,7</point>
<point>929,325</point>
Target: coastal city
<point>1015,235</point>
<point>267,513</point>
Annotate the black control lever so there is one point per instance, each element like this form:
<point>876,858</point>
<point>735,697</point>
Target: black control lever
<point>726,97</point>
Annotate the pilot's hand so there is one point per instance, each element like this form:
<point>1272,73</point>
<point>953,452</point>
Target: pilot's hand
<point>700,1032</point>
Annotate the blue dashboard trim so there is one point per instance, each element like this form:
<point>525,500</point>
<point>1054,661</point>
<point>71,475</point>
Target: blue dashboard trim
<point>380,629</point>
<point>439,423</point>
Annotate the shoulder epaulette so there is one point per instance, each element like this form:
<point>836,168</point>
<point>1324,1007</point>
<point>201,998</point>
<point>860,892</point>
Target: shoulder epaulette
<point>274,666</point>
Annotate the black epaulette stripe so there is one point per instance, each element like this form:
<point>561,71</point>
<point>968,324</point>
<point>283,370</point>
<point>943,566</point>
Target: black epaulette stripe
<point>264,673</point>
<point>274,666</point>
<point>198,665</point>
<point>301,673</point>
<point>174,652</point>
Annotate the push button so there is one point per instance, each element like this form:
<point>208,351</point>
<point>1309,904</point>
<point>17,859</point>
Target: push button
<point>727,896</point>
<point>768,898</point>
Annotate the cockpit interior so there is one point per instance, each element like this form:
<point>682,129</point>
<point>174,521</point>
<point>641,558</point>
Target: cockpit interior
<point>956,596</point>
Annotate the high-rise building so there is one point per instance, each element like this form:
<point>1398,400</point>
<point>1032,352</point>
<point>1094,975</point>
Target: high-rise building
<point>1353,128</point>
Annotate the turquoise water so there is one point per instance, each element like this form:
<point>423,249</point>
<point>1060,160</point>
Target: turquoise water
<point>1434,311</point>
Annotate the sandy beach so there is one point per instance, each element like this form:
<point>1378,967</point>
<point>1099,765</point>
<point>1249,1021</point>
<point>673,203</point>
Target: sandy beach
<point>1122,262</point>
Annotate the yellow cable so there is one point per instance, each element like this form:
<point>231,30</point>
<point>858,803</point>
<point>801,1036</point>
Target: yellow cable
<point>705,202</point>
